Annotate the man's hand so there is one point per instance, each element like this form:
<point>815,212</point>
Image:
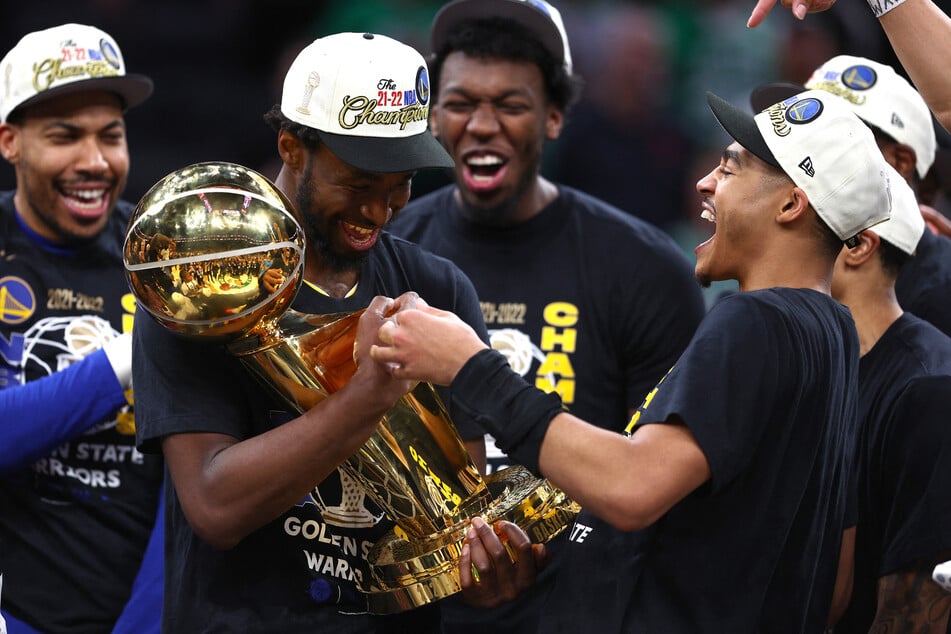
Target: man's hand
<point>385,384</point>
<point>272,280</point>
<point>799,9</point>
<point>424,343</point>
<point>937,222</point>
<point>498,563</point>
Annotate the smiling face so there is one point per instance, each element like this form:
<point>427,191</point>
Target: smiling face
<point>494,118</point>
<point>740,196</point>
<point>71,161</point>
<point>344,208</point>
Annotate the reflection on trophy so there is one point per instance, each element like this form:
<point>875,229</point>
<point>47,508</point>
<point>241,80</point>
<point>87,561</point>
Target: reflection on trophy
<point>213,252</point>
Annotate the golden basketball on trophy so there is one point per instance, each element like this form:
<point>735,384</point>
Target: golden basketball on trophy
<point>231,221</point>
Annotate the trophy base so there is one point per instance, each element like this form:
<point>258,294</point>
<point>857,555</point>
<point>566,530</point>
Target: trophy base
<point>411,572</point>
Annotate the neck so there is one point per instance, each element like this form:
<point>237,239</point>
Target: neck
<point>529,202</point>
<point>874,311</point>
<point>814,274</point>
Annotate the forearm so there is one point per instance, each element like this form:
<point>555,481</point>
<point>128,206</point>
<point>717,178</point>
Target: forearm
<point>45,413</point>
<point>229,489</point>
<point>920,34</point>
<point>910,601</point>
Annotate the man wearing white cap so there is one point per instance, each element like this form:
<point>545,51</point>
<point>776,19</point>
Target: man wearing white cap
<point>903,508</point>
<point>78,503</point>
<point>585,300</point>
<point>730,491</point>
<point>252,550</point>
<point>903,129</point>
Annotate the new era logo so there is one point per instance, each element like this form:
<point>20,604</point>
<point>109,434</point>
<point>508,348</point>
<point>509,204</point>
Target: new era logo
<point>896,121</point>
<point>806,166</point>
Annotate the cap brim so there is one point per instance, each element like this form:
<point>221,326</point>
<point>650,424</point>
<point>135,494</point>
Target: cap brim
<point>388,155</point>
<point>741,126</point>
<point>132,89</point>
<point>766,95</point>
<point>524,13</point>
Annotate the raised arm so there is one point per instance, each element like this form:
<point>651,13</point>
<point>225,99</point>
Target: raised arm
<point>920,34</point>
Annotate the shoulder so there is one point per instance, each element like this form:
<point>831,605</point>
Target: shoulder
<point>418,264</point>
<point>420,212</point>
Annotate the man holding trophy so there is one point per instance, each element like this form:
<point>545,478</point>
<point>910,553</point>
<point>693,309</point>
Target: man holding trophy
<point>255,544</point>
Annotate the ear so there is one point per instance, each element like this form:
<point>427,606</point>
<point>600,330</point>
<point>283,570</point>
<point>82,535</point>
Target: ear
<point>434,121</point>
<point>795,205</point>
<point>904,161</point>
<point>9,143</point>
<point>291,150</point>
<point>554,123</point>
<point>863,251</point>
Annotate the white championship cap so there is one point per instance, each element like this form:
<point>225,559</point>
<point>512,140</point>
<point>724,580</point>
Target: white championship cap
<point>367,96</point>
<point>906,225</point>
<point>827,151</point>
<point>882,98</point>
<point>539,17</point>
<point>64,59</point>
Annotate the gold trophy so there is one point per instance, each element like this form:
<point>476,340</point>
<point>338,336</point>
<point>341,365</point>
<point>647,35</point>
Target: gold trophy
<point>197,247</point>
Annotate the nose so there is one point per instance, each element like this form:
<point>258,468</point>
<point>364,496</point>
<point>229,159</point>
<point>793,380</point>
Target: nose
<point>707,184</point>
<point>378,212</point>
<point>482,121</point>
<point>91,157</point>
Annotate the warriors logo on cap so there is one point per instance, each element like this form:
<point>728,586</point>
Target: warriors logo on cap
<point>803,111</point>
<point>859,77</point>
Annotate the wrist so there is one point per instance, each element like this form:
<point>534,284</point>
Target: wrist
<point>881,7</point>
<point>119,353</point>
<point>516,413</point>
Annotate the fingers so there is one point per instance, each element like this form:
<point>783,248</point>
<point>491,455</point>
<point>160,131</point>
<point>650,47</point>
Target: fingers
<point>760,11</point>
<point>498,563</point>
<point>406,301</point>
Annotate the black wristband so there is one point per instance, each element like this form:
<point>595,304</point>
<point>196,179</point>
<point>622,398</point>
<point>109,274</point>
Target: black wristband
<point>516,413</point>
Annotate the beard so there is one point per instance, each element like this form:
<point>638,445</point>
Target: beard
<point>317,241</point>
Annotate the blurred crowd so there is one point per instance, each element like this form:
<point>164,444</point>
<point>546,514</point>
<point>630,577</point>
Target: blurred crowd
<point>636,140</point>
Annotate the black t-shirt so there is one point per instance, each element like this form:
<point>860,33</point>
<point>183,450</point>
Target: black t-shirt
<point>74,525</point>
<point>767,387</point>
<point>299,572</point>
<point>924,282</point>
<point>582,299</point>
<point>904,490</point>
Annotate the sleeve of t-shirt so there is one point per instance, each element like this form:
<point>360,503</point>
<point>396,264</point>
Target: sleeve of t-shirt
<point>42,414</point>
<point>183,385</point>
<point>917,473</point>
<point>722,387</point>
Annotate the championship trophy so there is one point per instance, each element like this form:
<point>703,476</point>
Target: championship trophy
<point>230,226</point>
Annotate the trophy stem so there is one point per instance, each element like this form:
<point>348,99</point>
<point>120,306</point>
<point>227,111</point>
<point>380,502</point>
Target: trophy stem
<point>414,467</point>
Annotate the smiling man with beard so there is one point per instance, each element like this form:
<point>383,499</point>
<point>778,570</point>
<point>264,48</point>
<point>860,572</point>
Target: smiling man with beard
<point>724,507</point>
<point>251,549</point>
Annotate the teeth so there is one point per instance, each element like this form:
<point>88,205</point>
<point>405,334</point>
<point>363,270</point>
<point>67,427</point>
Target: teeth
<point>86,198</point>
<point>360,234</point>
<point>89,194</point>
<point>706,214</point>
<point>484,161</point>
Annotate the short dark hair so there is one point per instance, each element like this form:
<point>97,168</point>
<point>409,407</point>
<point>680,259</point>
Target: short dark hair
<point>494,38</point>
<point>892,257</point>
<point>278,121</point>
